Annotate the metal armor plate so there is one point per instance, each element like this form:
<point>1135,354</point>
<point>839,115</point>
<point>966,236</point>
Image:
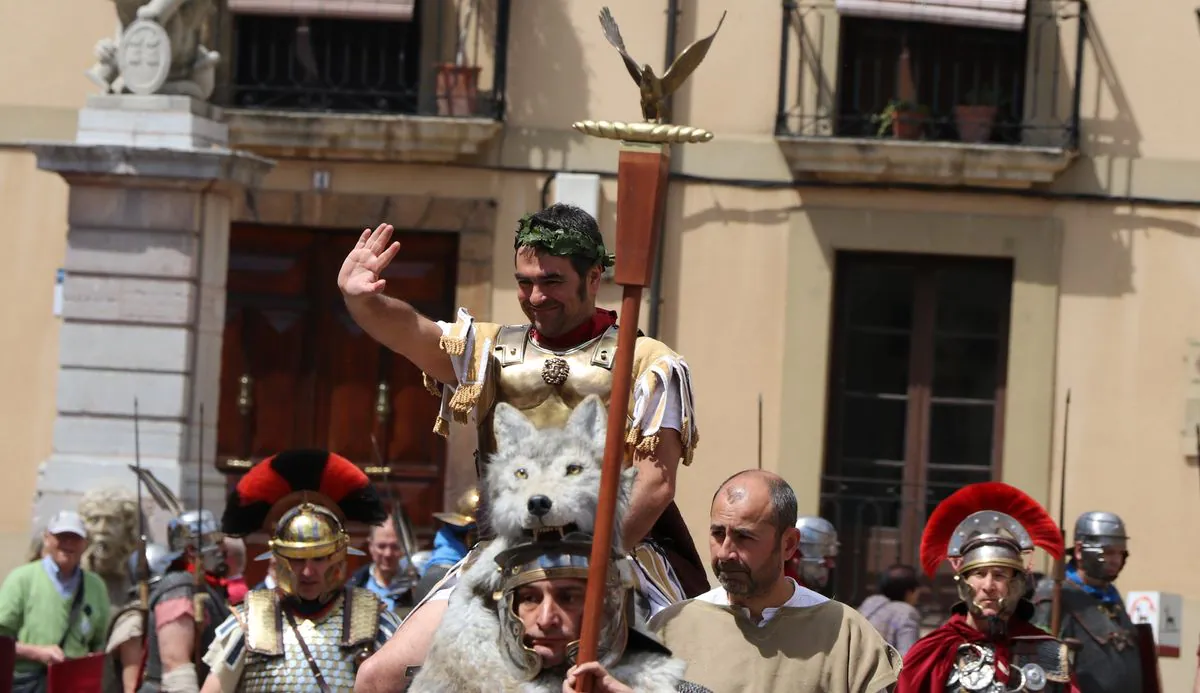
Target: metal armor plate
<point>531,378</point>
<point>290,671</point>
<point>1109,659</point>
<point>1038,665</point>
<point>1052,656</point>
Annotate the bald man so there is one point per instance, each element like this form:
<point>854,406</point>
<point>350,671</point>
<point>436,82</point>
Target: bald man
<point>760,630</point>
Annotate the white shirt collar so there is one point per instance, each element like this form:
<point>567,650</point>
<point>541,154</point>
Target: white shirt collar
<point>801,597</point>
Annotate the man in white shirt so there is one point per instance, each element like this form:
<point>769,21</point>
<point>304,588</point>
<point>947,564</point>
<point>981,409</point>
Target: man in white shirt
<point>761,630</point>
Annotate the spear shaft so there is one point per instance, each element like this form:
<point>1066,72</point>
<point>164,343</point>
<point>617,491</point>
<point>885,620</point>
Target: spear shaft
<point>200,592</point>
<point>143,563</point>
<point>1060,565</point>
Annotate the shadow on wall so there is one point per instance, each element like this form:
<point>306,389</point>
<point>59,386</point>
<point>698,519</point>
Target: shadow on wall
<point>1108,269</point>
<point>1108,130</point>
<point>546,75</point>
<point>739,223</point>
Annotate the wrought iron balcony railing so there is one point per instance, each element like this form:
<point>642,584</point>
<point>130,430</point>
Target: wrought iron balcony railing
<point>449,59</point>
<point>843,74</point>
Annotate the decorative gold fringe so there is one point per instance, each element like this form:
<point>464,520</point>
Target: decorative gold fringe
<point>432,386</point>
<point>454,346</point>
<point>464,400</point>
<point>441,427</point>
<point>648,444</point>
<point>633,436</point>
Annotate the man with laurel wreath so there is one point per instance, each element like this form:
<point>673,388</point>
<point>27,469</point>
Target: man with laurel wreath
<point>987,533</point>
<point>545,368</point>
<point>310,632</point>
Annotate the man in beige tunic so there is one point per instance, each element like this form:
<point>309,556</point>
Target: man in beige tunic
<point>760,630</point>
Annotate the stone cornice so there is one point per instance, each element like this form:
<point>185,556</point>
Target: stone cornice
<point>935,163</point>
<point>151,166</point>
<point>362,137</point>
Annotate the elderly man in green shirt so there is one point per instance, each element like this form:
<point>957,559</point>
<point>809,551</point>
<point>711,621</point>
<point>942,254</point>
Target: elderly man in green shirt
<point>54,608</point>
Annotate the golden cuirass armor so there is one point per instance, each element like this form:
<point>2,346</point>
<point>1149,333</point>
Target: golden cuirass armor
<point>534,380</point>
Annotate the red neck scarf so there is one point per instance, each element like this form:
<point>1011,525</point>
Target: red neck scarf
<point>590,329</point>
<point>212,580</point>
<point>927,665</point>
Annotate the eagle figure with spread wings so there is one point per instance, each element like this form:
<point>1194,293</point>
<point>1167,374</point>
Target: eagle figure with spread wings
<point>654,89</point>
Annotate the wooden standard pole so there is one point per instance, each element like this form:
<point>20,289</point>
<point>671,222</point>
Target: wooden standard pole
<point>641,192</point>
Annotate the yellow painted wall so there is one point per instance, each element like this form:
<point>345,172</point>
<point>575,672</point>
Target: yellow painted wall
<point>35,239</point>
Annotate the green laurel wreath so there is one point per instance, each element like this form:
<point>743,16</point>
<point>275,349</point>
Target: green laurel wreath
<point>562,243</point>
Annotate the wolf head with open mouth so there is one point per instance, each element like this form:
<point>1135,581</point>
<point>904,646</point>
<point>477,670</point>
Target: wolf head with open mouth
<point>545,483</point>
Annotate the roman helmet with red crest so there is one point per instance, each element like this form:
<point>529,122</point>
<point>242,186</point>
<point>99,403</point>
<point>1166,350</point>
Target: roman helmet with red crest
<point>304,498</point>
<point>984,525</point>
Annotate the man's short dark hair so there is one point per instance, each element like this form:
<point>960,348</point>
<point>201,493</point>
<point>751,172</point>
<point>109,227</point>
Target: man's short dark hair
<point>784,508</point>
<point>899,581</point>
<point>573,220</point>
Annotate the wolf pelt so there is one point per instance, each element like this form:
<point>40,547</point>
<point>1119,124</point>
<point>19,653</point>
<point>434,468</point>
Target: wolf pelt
<point>560,464</point>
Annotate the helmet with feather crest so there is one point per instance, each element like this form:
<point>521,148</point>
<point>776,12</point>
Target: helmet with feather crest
<point>304,498</point>
<point>986,525</point>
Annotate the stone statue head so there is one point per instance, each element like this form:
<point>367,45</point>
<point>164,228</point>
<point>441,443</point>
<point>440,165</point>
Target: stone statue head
<point>111,518</point>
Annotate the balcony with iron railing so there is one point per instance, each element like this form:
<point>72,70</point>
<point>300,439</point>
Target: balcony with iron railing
<point>389,80</point>
<point>931,91</point>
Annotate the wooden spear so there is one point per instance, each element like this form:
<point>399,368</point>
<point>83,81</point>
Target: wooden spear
<point>642,169</point>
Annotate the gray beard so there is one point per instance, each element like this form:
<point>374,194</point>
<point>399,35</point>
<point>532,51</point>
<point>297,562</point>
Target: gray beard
<point>994,626</point>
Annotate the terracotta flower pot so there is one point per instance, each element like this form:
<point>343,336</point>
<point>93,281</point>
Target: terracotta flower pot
<point>457,89</point>
<point>906,125</point>
<point>975,122</point>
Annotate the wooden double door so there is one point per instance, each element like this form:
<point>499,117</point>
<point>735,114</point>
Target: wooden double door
<point>297,372</point>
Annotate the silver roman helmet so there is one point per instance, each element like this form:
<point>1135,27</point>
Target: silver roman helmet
<point>990,524</point>
<point>989,538</point>
<point>1098,533</point>
<point>197,529</point>
<point>818,544</point>
<point>568,557</point>
<point>158,559</point>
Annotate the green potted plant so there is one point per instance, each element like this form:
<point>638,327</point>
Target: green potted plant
<point>905,119</point>
<point>976,116</point>
<point>458,82</point>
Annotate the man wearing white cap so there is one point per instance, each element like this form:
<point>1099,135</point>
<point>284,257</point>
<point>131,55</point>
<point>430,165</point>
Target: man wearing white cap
<point>55,609</point>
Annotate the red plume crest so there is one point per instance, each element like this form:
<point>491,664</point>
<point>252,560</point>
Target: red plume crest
<point>991,495</point>
<point>318,472</point>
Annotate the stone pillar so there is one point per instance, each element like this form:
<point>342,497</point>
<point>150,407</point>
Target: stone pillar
<point>144,297</point>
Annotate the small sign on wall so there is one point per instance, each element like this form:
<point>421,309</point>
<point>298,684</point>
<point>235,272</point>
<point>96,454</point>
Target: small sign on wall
<point>1164,612</point>
<point>60,277</point>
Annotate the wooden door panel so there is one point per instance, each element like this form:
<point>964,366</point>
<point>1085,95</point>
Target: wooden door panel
<point>315,376</point>
<point>265,421</point>
<point>268,318</point>
<point>352,375</point>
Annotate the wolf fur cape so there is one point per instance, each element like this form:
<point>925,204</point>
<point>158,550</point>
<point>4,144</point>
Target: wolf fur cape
<point>465,653</point>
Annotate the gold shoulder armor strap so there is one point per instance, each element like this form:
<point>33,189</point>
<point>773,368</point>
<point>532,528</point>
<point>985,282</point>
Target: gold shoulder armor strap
<point>264,623</point>
<point>510,344</point>
<point>360,617</point>
<point>511,341</point>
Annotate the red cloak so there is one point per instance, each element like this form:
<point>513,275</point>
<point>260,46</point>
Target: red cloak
<point>927,665</point>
